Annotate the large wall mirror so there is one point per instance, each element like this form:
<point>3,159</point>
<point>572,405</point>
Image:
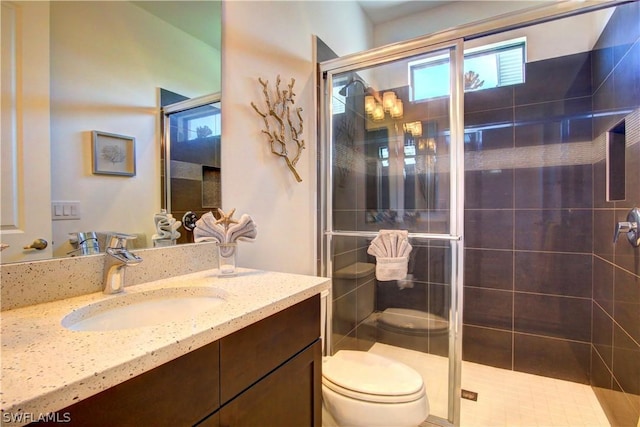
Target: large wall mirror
<point>103,64</point>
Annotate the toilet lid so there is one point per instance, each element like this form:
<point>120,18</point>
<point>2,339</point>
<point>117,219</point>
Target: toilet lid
<point>369,374</point>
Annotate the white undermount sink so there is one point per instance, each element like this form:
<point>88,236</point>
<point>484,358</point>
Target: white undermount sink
<point>146,308</point>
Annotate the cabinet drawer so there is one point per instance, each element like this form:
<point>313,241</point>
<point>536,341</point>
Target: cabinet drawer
<point>253,352</point>
<point>287,397</point>
<point>179,393</point>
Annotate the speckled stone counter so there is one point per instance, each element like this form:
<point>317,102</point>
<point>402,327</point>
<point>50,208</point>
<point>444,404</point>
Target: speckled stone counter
<point>46,367</point>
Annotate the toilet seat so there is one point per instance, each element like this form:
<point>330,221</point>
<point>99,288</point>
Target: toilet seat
<point>374,398</point>
<point>371,378</point>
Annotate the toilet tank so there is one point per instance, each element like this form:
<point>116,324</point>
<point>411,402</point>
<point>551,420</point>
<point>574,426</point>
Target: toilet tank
<point>354,294</point>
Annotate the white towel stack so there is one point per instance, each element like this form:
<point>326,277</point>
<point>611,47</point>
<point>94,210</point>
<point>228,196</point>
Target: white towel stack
<point>166,228</point>
<point>208,228</point>
<point>391,249</point>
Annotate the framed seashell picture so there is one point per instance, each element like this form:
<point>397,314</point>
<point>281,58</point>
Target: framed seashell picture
<point>113,154</point>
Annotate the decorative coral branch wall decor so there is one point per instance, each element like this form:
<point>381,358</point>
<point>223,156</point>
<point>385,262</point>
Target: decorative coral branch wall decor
<point>286,122</point>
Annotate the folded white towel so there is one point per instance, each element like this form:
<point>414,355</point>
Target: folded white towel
<point>376,248</point>
<point>166,227</point>
<point>391,249</point>
<point>209,229</point>
<point>245,229</point>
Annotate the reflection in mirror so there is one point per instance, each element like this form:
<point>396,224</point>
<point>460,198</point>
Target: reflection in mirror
<point>106,62</point>
<point>191,153</point>
<point>404,147</point>
<point>419,187</point>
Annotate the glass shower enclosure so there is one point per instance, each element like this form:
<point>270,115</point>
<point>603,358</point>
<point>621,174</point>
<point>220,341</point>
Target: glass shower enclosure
<point>392,157</point>
<point>392,145</point>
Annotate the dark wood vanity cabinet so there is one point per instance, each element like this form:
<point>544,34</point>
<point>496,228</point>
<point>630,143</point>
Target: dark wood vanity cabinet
<point>261,384</point>
<point>289,396</point>
<point>180,393</point>
<point>267,374</point>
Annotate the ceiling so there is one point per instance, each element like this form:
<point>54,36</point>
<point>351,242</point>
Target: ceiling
<point>201,19</point>
<point>380,11</point>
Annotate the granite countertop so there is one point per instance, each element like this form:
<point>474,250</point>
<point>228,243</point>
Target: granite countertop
<point>46,367</point>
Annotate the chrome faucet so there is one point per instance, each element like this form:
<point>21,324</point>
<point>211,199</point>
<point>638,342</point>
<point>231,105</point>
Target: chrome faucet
<point>117,259</point>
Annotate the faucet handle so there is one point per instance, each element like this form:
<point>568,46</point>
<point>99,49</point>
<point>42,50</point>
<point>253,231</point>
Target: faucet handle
<point>623,227</point>
<point>119,240</point>
<point>630,226</point>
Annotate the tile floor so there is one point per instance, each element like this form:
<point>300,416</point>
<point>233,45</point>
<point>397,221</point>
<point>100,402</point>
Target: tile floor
<point>505,398</point>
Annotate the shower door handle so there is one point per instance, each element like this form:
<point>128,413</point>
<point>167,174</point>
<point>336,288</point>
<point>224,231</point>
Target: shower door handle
<point>630,226</point>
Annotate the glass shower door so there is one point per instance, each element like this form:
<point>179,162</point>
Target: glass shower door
<point>392,159</point>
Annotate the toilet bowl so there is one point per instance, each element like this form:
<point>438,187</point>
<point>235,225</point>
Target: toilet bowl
<point>368,390</point>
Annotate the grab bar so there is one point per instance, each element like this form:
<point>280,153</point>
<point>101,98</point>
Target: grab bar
<point>372,234</point>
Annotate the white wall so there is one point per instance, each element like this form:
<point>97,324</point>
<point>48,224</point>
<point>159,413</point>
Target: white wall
<point>264,39</point>
<point>444,17</point>
<point>544,41</point>
<point>556,38</point>
<point>578,34</point>
<point>108,60</point>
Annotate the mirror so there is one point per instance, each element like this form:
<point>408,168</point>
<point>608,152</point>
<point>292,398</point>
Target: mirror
<point>108,61</point>
<point>191,159</point>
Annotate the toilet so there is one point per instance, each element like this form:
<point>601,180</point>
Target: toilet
<point>365,389</point>
<point>368,390</point>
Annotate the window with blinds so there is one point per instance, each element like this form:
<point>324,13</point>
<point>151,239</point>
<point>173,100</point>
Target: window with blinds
<point>485,67</point>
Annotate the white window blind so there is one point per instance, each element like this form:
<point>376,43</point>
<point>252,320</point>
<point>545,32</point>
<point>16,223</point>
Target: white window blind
<point>511,66</point>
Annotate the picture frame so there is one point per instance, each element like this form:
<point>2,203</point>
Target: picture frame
<point>113,154</point>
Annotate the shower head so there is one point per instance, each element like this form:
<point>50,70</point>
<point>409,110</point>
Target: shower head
<point>353,80</point>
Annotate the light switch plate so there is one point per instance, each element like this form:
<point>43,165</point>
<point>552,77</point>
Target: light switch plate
<point>65,210</point>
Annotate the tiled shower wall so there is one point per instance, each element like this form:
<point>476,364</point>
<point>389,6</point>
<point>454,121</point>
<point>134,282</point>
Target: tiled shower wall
<point>615,353</point>
<point>195,178</point>
<point>546,290</point>
<point>353,294</point>
<point>528,222</point>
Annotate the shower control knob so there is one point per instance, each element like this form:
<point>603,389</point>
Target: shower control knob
<point>624,227</point>
<point>630,226</point>
<point>189,220</point>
